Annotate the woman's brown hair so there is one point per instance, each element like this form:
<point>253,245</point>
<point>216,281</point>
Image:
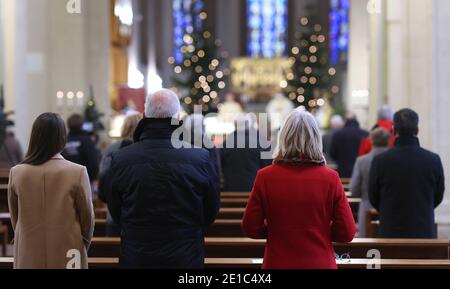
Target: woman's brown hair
<point>48,138</point>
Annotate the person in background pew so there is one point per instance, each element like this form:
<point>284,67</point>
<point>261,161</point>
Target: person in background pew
<point>241,156</point>
<point>128,129</point>
<point>80,148</point>
<point>164,193</point>
<point>298,203</point>
<point>345,145</point>
<point>406,183</point>
<point>359,185</point>
<point>195,134</point>
<point>385,121</point>
<point>50,202</point>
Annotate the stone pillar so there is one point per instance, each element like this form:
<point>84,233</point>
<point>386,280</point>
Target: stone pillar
<point>48,50</point>
<point>163,39</point>
<point>357,98</point>
<point>14,55</point>
<point>377,58</point>
<point>230,25</point>
<point>441,101</point>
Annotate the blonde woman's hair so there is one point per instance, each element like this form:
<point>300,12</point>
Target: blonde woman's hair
<point>129,126</point>
<point>300,139</point>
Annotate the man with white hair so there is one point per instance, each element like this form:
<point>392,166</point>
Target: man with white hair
<point>163,194</point>
<point>385,121</point>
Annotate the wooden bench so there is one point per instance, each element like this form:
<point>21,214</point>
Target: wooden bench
<point>361,264</point>
<point>255,264</point>
<point>94,263</point>
<point>231,213</point>
<point>220,228</point>
<point>248,248</point>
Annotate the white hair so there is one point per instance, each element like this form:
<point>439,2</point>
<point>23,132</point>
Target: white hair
<point>385,113</point>
<point>300,139</point>
<point>162,104</point>
<point>337,121</point>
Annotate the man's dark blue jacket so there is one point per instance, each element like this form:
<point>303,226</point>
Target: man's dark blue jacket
<point>164,198</point>
<point>406,185</point>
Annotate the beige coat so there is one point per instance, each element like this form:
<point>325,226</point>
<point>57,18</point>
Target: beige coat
<point>51,214</point>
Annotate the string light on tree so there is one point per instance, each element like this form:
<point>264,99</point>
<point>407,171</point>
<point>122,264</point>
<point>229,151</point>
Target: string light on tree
<point>310,80</point>
<point>198,68</point>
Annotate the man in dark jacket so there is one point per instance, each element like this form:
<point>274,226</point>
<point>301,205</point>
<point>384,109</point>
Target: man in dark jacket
<point>345,146</point>
<point>406,183</point>
<point>163,193</point>
<point>241,158</point>
<point>80,148</point>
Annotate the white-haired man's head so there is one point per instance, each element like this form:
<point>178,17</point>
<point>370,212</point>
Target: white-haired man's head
<point>162,104</point>
<point>385,113</point>
<point>337,121</point>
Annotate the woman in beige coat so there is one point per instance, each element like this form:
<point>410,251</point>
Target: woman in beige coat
<point>50,203</point>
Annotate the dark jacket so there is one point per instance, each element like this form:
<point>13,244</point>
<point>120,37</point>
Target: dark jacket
<point>206,144</point>
<point>80,149</point>
<point>345,147</point>
<point>240,165</point>
<point>406,185</point>
<point>10,151</point>
<point>112,228</point>
<point>163,197</point>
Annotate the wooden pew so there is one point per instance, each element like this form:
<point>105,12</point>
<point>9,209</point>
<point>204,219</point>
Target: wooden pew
<point>94,263</point>
<point>234,195</point>
<point>249,263</point>
<point>220,228</point>
<point>361,264</point>
<point>231,213</point>
<point>248,248</point>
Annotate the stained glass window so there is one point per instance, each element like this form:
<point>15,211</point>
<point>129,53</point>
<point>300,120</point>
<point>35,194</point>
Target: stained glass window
<point>339,30</point>
<point>267,28</point>
<point>187,19</point>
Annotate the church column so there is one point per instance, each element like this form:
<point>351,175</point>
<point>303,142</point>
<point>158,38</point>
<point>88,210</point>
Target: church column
<point>162,26</point>
<point>229,26</point>
<point>97,32</point>
<point>441,101</point>
<point>49,49</point>
<point>377,11</point>
<point>357,98</point>
<point>14,36</point>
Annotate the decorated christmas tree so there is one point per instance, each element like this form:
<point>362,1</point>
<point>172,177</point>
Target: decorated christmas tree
<point>198,74</point>
<point>310,81</point>
<point>91,114</point>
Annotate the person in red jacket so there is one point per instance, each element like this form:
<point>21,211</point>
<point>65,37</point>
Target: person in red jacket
<point>298,203</point>
<point>385,121</point>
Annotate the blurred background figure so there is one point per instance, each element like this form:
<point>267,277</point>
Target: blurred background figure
<point>80,148</point>
<point>128,129</point>
<point>359,184</point>
<point>10,150</point>
<point>336,123</point>
<point>385,121</point>
<point>345,145</point>
<point>195,134</point>
<point>240,164</point>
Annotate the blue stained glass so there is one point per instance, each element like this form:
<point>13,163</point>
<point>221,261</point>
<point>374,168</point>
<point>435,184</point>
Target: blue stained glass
<point>186,19</point>
<point>339,30</point>
<point>267,26</point>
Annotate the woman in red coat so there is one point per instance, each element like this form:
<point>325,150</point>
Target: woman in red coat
<point>299,204</point>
